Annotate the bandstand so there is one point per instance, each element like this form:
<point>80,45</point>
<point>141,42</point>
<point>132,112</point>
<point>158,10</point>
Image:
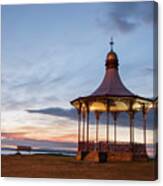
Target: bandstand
<point>111,98</point>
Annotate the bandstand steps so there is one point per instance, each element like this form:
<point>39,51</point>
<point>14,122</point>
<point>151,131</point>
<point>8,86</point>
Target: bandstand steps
<point>92,156</point>
<point>81,155</point>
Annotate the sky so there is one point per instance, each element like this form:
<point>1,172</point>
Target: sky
<point>54,53</point>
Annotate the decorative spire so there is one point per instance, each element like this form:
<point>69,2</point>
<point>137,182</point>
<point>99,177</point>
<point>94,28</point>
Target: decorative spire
<point>111,43</point>
<point>111,58</point>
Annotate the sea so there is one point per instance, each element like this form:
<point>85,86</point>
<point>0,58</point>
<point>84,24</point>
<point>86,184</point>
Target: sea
<point>13,151</point>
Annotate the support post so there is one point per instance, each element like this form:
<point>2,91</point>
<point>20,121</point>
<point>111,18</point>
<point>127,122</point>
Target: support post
<point>144,125</point>
<point>79,126</point>
<point>87,123</point>
<point>131,119</point>
<point>155,131</point>
<point>107,122</point>
<point>131,123</point>
<point>115,127</point>
<point>83,114</point>
<point>97,114</point>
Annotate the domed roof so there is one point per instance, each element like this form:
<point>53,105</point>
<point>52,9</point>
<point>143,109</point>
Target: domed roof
<point>111,60</point>
<point>112,56</point>
<point>112,84</point>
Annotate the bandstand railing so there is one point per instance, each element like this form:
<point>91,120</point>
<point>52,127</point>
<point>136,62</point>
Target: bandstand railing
<point>103,146</point>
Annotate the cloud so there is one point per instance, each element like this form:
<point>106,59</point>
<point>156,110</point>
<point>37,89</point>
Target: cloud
<point>126,17</point>
<point>15,135</point>
<point>43,144</point>
<point>20,87</point>
<point>21,102</point>
<point>45,74</point>
<point>68,113</point>
<point>123,119</point>
<point>149,70</point>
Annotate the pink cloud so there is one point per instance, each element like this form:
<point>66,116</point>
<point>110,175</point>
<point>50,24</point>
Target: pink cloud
<point>15,135</point>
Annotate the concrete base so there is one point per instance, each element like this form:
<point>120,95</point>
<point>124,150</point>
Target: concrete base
<point>141,157</point>
<point>119,156</point>
<point>111,156</point>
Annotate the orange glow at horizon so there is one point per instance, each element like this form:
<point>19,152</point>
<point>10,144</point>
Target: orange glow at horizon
<point>21,125</point>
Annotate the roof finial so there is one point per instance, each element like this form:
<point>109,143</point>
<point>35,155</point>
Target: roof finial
<point>111,43</point>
